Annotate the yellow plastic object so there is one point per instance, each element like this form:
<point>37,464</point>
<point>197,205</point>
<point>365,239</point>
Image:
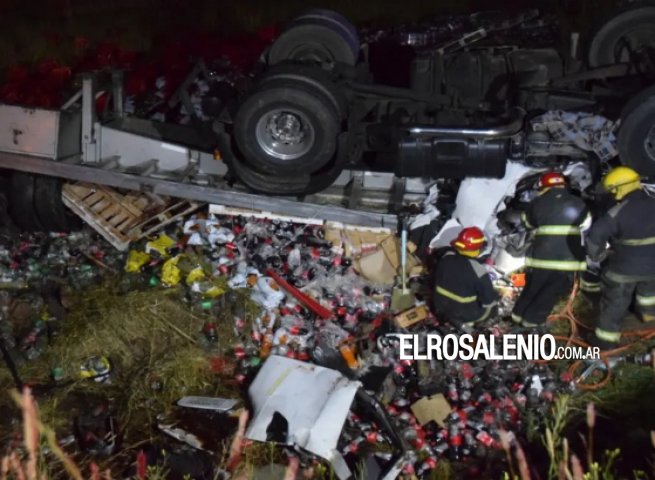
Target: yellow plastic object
<point>170,273</point>
<point>160,245</point>
<point>195,275</point>
<point>136,260</point>
<point>95,367</point>
<point>214,292</point>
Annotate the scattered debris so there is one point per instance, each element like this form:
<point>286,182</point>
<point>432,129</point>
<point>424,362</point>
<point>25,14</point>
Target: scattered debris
<point>196,311</point>
<point>315,423</point>
<point>123,218</point>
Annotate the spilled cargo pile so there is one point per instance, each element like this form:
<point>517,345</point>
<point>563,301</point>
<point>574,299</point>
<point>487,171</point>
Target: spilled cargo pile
<point>226,346</point>
<point>151,80</point>
<point>186,320</point>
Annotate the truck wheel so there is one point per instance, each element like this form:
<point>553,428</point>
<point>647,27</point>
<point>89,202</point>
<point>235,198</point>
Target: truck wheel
<point>636,142</point>
<point>629,30</point>
<point>21,202</point>
<point>313,79</point>
<point>285,130</point>
<point>333,19</point>
<point>268,184</point>
<point>52,213</point>
<point>320,37</point>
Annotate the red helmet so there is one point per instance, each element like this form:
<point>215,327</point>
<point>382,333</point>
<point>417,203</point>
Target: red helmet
<point>469,240</point>
<point>552,179</point>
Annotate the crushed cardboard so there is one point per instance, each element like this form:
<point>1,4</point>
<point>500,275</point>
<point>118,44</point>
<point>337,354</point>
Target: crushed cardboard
<point>434,408</point>
<point>376,252</point>
<point>411,317</point>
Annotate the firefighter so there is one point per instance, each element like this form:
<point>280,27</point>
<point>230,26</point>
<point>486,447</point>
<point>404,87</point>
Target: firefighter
<point>590,279</point>
<point>629,270</point>
<point>556,252</point>
<point>463,291</point>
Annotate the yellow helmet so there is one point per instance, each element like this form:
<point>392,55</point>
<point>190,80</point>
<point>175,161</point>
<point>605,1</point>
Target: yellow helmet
<point>621,181</point>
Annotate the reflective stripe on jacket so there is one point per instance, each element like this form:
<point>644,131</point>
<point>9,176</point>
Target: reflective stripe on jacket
<point>630,230</point>
<point>556,216</point>
<point>463,288</point>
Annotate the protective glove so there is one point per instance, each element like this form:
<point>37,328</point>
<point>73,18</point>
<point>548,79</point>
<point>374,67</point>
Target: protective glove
<point>593,265</point>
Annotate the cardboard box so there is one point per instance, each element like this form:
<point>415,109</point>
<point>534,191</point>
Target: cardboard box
<point>412,316</point>
<point>376,252</point>
<point>356,241</point>
<point>435,408</point>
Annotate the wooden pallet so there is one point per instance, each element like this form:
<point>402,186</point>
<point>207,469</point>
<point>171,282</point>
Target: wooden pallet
<point>123,218</point>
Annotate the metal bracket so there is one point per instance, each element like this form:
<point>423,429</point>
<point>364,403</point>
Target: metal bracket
<point>182,92</point>
<point>117,93</point>
<point>465,40</point>
<point>89,152</point>
<point>397,194</point>
<point>355,190</point>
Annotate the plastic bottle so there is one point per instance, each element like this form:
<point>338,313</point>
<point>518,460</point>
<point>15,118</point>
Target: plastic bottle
<point>267,344</point>
<point>348,354</point>
<point>645,359</point>
<point>455,439</point>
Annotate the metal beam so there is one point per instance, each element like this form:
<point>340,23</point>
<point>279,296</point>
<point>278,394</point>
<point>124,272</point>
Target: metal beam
<point>233,197</point>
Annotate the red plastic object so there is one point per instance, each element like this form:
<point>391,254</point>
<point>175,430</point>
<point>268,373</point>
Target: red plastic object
<point>141,465</point>
<point>46,66</point>
<point>102,100</point>
<point>126,59</point>
<point>17,73</point>
<point>268,33</point>
<point>10,93</point>
<point>59,76</point>
<point>306,300</point>
<point>105,54</point>
<point>518,279</point>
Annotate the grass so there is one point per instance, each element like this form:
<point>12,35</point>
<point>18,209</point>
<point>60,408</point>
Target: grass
<point>33,462</point>
<point>564,462</point>
<point>150,336</point>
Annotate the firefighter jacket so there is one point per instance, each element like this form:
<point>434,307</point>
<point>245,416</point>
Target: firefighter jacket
<point>629,227</point>
<point>463,288</point>
<point>555,217</point>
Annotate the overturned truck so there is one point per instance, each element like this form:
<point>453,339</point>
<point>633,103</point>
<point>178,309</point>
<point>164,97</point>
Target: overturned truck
<point>470,104</point>
<point>319,123</point>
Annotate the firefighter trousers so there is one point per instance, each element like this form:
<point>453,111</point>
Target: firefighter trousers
<point>543,289</point>
<point>616,298</point>
<point>590,284</point>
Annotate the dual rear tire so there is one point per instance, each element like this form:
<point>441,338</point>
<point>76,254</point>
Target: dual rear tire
<point>320,37</point>
<point>628,36</point>
<point>286,131</point>
<point>34,204</point>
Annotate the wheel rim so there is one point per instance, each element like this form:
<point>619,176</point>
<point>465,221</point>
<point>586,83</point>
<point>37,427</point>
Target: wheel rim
<point>285,134</point>
<point>649,143</point>
<point>310,53</point>
<point>634,41</point>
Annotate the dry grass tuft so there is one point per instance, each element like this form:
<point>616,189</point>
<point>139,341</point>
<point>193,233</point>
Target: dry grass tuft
<point>150,337</point>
